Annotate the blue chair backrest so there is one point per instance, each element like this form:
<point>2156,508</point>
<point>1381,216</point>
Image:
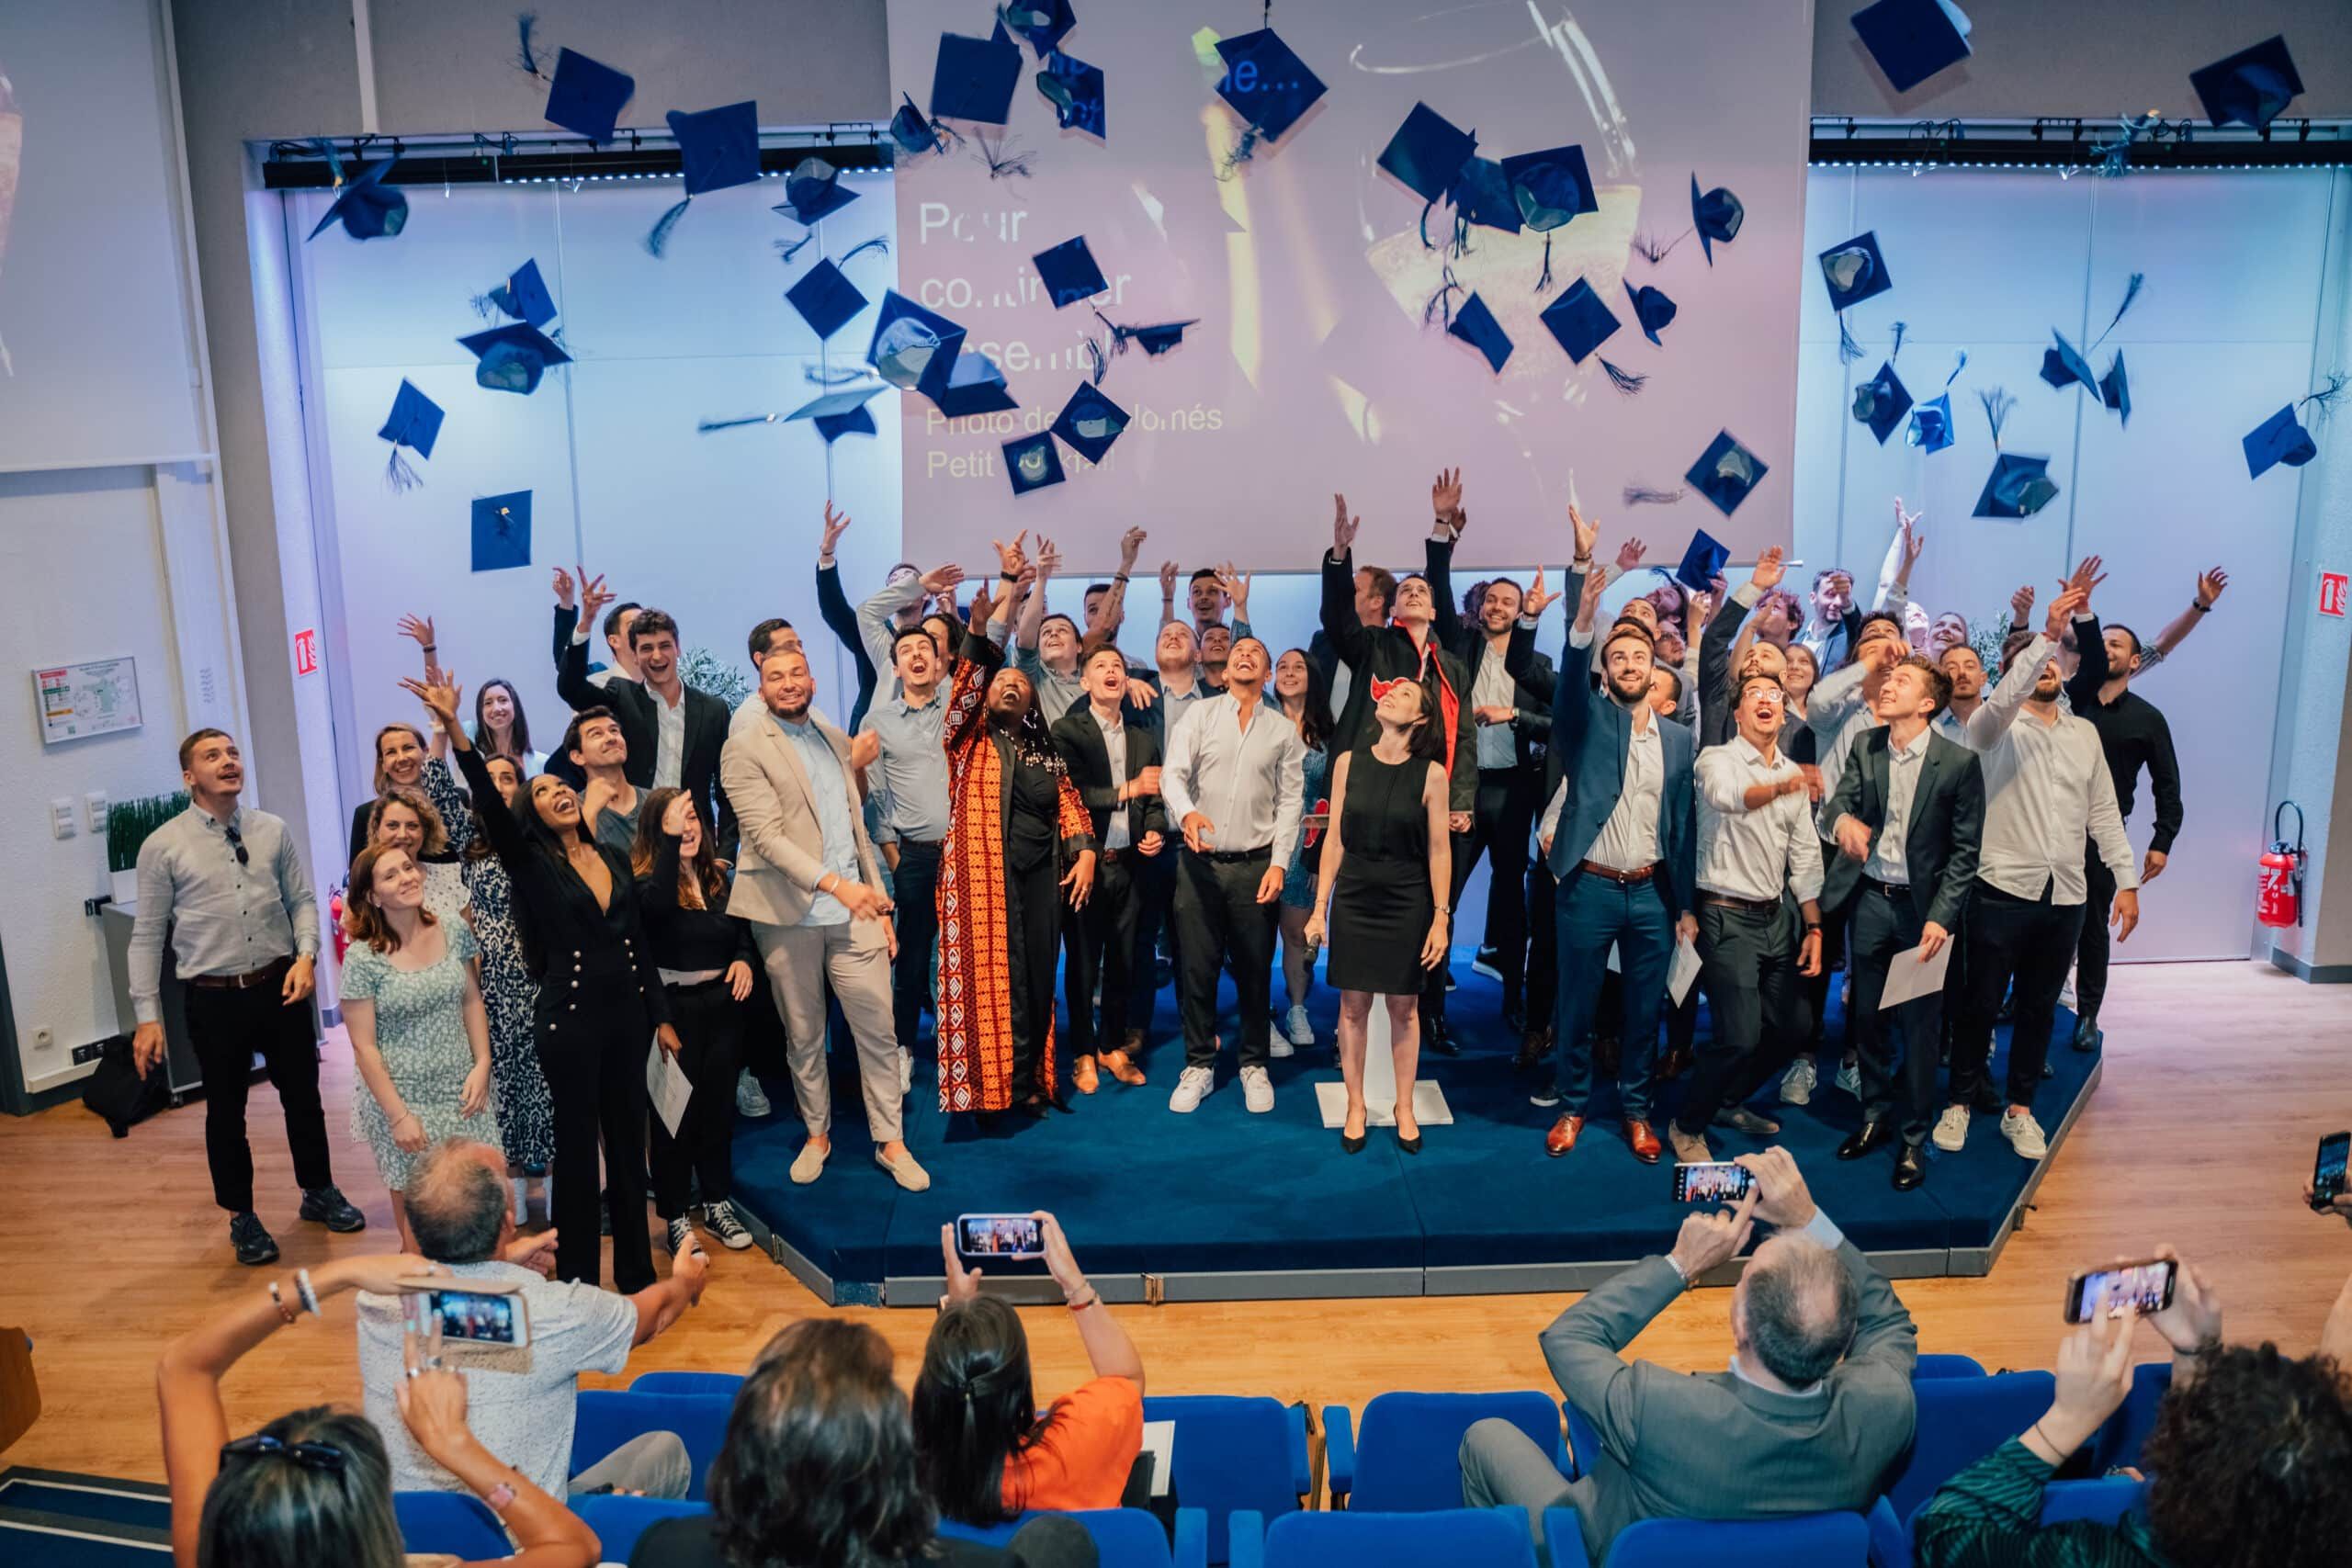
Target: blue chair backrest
<point>2119,1443</point>
<point>2106,1501</point>
<point>1123,1537</point>
<point>1452,1537</point>
<point>1235,1452</point>
<point>1960,1421</point>
<point>1810,1540</point>
<point>452,1522</point>
<point>727,1384</point>
<point>1408,1445</point>
<point>608,1417</point>
<point>1941,1366</point>
<point>618,1521</point>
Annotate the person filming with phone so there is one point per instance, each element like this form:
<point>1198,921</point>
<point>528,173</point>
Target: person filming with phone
<point>1815,1404</point>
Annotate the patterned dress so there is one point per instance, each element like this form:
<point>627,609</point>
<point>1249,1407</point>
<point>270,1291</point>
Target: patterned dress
<point>1298,883</point>
<point>420,1034</point>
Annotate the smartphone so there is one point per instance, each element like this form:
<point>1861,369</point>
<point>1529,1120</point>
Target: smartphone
<point>2146,1286</point>
<point>1716,1181</point>
<point>2327,1171</point>
<point>1000,1236</point>
<point>487,1315</point>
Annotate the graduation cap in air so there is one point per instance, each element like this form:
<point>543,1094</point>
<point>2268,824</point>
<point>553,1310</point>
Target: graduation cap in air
<point>2115,388</point>
<point>1854,272</point>
<point>813,190</point>
<point>1042,22</point>
<point>587,95</point>
<point>907,338</point>
<point>2017,486</point>
<point>513,358</point>
<point>1481,194</point>
<point>1703,561</point>
<point>969,384</point>
<point>1075,89</point>
<point>2280,439</point>
<point>1155,339</point>
<point>366,207</point>
<point>1717,215</point>
<point>914,134</point>
<point>1068,273</point>
<point>524,296</point>
<point>1089,423</point>
<point>502,531</point>
<point>1931,428</point>
<point>840,413</point>
<point>1550,188</point>
<point>1427,152</point>
<point>415,423</point>
<point>2065,365</point>
<point>826,298</point>
<point>974,77</point>
<point>1032,462</point>
<point>2250,87</point>
<point>1266,84</point>
<point>1913,39</point>
<point>1726,472</point>
<point>1476,325</point>
<point>1579,321</point>
<point>1883,400</point>
<point>1652,310</point>
<point>717,148</point>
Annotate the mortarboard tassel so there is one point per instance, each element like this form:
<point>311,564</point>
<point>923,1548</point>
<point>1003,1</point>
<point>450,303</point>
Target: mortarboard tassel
<point>1546,281</point>
<point>1847,349</point>
<point>707,425</point>
<point>1896,353</point>
<point>660,236</point>
<point>485,305</point>
<point>1440,307</point>
<point>1997,405</point>
<point>1098,358</point>
<point>398,476</point>
<point>526,57</point>
<point>1243,150</point>
<point>876,243</point>
<point>1655,252</point>
<point>2328,397</point>
<point>1959,363</point>
<point>1624,381</point>
<point>2130,293</point>
<point>788,249</point>
<point>1641,495</point>
<point>1003,160</point>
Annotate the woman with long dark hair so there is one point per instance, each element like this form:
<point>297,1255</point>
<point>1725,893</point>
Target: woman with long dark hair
<point>500,727</point>
<point>985,1450</point>
<point>706,958</point>
<point>1305,694</point>
<point>600,999</point>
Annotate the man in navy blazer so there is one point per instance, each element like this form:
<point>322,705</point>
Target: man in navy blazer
<point>1621,836</point>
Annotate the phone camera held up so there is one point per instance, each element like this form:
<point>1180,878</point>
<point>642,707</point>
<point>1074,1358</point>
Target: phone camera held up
<point>1717,1181</point>
<point>2327,1171</point>
<point>1000,1236</point>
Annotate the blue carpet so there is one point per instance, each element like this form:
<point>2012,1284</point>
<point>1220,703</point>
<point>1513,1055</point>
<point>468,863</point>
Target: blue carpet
<point>54,1517</point>
<point>1142,1190</point>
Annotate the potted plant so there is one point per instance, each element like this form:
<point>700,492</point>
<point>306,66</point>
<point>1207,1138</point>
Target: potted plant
<point>127,824</point>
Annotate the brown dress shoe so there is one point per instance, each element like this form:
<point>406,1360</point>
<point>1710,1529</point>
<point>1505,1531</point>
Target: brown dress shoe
<point>1533,1046</point>
<point>1117,1064</point>
<point>1647,1147</point>
<point>1676,1063</point>
<point>1562,1135</point>
<point>1082,1075</point>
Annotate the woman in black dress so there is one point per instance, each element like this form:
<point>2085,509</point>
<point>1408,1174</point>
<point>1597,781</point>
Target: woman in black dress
<point>600,999</point>
<point>1387,864</point>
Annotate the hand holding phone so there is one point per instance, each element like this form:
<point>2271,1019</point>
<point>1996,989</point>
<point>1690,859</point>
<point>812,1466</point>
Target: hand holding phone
<point>1716,1181</point>
<point>2328,1181</point>
<point>2144,1289</point>
<point>1000,1236</point>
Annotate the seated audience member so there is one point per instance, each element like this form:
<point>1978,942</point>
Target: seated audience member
<point>1816,1405</point>
<point>984,1451</point>
<point>2250,1460</point>
<point>459,1213</point>
<point>315,1486</point>
<point>819,1471</point>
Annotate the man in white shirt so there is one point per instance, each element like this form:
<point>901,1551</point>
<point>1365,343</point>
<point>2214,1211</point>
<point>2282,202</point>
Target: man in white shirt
<point>1234,782</point>
<point>1757,852</point>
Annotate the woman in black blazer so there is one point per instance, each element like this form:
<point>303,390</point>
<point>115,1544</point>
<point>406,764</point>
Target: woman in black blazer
<point>400,759</point>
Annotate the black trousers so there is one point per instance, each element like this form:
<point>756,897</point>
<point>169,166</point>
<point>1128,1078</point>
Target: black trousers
<point>1747,961</point>
<point>227,1028</point>
<point>1500,818</point>
<point>1220,924</point>
<point>1883,927</point>
<point>1542,944</point>
<point>1032,923</point>
<point>710,1022</point>
<point>1099,943</point>
<point>2090,948</point>
<point>915,894</point>
<point>1155,881</point>
<point>2030,941</point>
<point>1833,962</point>
<point>592,1051</point>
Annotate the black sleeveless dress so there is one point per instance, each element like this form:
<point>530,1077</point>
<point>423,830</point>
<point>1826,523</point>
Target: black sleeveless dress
<point>1381,907</point>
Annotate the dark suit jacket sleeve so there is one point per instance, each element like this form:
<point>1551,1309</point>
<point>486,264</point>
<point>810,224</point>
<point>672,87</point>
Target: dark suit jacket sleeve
<point>1846,798</point>
<point>1437,565</point>
<point>1686,840</point>
<point>1572,692</point>
<point>571,675</point>
<point>566,618</point>
<point>2164,782</point>
<point>2091,669</point>
<point>1714,650</point>
<point>1346,633</point>
<point>833,608</point>
<point>1080,742</point>
<point>1531,678</point>
<point>1583,1347</point>
<point>1967,836</point>
<point>1883,1333</point>
<point>726,832</point>
<point>1144,750</point>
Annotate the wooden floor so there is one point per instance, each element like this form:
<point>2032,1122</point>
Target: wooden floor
<point>2220,1077</point>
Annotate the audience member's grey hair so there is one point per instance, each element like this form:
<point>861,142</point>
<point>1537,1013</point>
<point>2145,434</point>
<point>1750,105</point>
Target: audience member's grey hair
<point>1801,1304</point>
<point>457,1204</point>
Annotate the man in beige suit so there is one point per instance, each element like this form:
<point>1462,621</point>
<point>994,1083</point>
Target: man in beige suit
<point>805,878</point>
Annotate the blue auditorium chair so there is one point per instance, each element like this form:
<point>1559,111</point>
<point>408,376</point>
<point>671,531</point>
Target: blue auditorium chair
<point>456,1523</point>
<point>1941,1366</point>
<point>1125,1538</point>
<point>618,1521</point>
<point>2107,1500</point>
<point>2118,1444</point>
<point>1808,1540</point>
<point>1408,1457</point>
<point>608,1417</point>
<point>1234,1451</point>
<point>726,1383</point>
<point>1960,1421</point>
<point>1452,1537</point>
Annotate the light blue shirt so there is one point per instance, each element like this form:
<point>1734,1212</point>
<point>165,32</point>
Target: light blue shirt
<point>829,788</point>
<point>914,768</point>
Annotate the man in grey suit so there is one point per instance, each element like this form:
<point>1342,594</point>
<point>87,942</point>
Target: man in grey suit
<point>807,879</point>
<point>1816,1407</point>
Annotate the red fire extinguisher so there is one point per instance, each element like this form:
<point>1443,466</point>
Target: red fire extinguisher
<point>2278,899</point>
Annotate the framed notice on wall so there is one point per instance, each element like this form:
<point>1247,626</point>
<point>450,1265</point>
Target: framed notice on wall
<point>77,700</point>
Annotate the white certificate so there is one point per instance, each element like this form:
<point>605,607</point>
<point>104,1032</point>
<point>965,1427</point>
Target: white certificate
<point>1907,977</point>
<point>666,1087</point>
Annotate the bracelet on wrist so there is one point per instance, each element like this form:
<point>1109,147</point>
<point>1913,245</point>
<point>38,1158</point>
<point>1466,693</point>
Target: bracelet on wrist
<point>285,1314</point>
<point>303,1288</point>
<point>2202,609</point>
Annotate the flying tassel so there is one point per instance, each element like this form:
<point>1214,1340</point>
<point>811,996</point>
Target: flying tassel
<point>1243,152</point>
<point>661,233</point>
<point>1640,495</point>
<point>526,57</point>
<point>1997,405</point>
<point>1546,281</point>
<point>1004,162</point>
<point>485,305</point>
<point>876,243</point>
<point>1461,246</point>
<point>1653,252</point>
<point>1099,358</point>
<point>2130,293</point>
<point>1896,353</point>
<point>1426,207</point>
<point>818,376</point>
<point>788,249</point>
<point>1624,381</point>
<point>2328,397</point>
<point>1440,307</point>
<point>707,425</point>
<point>1847,349</point>
<point>1959,363</point>
<point>398,476</point>
<point>334,160</point>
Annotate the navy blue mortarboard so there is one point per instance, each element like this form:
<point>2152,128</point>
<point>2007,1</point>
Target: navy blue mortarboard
<point>1550,188</point>
<point>587,95</point>
<point>1579,321</point>
<point>1913,39</point>
<point>974,77</point>
<point>2115,388</point>
<point>826,298</point>
<point>716,149</point>
<point>366,207</point>
<point>513,358</point>
<point>1042,22</point>
<point>813,190</point>
<point>1932,424</point>
<point>969,384</point>
<point>839,414</point>
<point>1717,216</point>
<point>2278,439</point>
<point>907,338</point>
<point>1156,340</point>
<point>1427,152</point>
<point>415,423</point>
<point>1481,194</point>
<point>523,295</point>
<point>912,131</point>
<point>859,420</point>
<point>1069,273</point>
<point>1032,462</point>
<point>1266,83</point>
<point>502,531</point>
<point>2018,487</point>
<point>1476,325</point>
<point>1652,310</point>
<point>1854,272</point>
<point>1726,472</point>
<point>1089,423</point>
<point>2251,88</point>
<point>1703,561</point>
<point>1075,89</point>
<point>2065,365</point>
<point>1883,400</point>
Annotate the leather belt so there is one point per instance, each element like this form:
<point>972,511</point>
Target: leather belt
<point>1747,906</point>
<point>1234,857</point>
<point>268,974</point>
<point>1623,878</point>
<point>1887,889</point>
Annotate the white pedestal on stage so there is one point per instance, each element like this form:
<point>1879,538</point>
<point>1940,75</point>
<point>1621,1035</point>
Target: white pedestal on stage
<point>1380,1085</point>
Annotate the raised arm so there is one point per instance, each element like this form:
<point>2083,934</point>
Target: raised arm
<point>1717,643</point>
<point>878,616</point>
<point>571,654</point>
<point>489,808</point>
<point>567,616</point>
<point>2209,593</point>
<point>1033,608</point>
<point>2004,702</point>
<point>1446,503</point>
<point>1347,634</point>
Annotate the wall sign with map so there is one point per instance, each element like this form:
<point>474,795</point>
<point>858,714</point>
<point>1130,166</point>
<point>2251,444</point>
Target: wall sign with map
<point>77,700</point>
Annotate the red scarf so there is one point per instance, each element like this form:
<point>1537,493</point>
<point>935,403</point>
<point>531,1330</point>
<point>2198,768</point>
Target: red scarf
<point>1448,701</point>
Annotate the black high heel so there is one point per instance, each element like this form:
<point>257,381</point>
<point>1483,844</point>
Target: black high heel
<point>1411,1145</point>
<point>1355,1146</point>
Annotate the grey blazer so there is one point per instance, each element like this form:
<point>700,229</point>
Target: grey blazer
<point>781,856</point>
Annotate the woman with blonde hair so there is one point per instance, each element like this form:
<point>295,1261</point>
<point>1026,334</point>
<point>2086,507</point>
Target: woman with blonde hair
<point>399,757</point>
<point>404,817</point>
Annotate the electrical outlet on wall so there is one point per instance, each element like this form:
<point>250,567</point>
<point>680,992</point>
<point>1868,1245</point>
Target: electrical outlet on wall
<point>62,823</point>
<point>94,806</point>
<point>89,1053</point>
<point>43,1039</point>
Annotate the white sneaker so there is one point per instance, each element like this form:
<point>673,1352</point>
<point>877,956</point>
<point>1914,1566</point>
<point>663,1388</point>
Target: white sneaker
<point>1191,1090</point>
<point>1797,1083</point>
<point>810,1162</point>
<point>1301,1031</point>
<point>2024,1134</point>
<point>750,1100</point>
<point>906,1072</point>
<point>1546,1097</point>
<point>1257,1089</point>
<point>1952,1128</point>
<point>1277,1043</point>
<point>1849,1079</point>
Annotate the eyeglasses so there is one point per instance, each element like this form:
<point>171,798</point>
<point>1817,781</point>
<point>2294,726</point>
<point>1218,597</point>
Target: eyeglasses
<point>237,843</point>
<point>310,1456</point>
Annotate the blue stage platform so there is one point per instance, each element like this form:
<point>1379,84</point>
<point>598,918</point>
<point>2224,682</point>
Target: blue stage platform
<point>1224,1205</point>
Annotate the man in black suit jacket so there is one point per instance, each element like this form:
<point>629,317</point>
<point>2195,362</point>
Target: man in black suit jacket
<point>1907,817</point>
<point>1121,795</point>
<point>687,756</point>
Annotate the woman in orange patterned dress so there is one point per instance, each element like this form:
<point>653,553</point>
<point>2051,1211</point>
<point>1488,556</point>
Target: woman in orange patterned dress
<point>1019,839</point>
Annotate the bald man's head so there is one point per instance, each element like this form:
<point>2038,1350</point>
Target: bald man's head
<point>456,1203</point>
<point>1795,1310</point>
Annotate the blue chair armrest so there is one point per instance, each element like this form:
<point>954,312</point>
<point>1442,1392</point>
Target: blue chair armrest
<point>1245,1538</point>
<point>1564,1539</point>
<point>1338,1454</point>
<point>1192,1538</point>
<point>1890,1542</point>
<point>1302,1470</point>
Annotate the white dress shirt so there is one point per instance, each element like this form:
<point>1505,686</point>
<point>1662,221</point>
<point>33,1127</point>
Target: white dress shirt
<point>1628,841</point>
<point>1493,687</point>
<point>1751,852</point>
<point>1888,863</point>
<point>669,738</point>
<point>1114,745</point>
<point>1247,782</point>
<point>2045,784</point>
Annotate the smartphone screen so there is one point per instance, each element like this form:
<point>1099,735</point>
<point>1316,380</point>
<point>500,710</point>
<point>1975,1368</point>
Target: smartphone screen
<point>2109,1291</point>
<point>446,1318</point>
<point>2327,1172</point>
<point>1000,1236</point>
<point>1719,1181</point>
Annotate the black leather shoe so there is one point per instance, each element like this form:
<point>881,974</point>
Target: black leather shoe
<point>333,1209</point>
<point>1439,1038</point>
<point>1533,1046</point>
<point>1910,1168</point>
<point>1515,1019</point>
<point>2088,1035</point>
<point>1351,1145</point>
<point>1868,1136</point>
<point>253,1243</point>
<point>1411,1145</point>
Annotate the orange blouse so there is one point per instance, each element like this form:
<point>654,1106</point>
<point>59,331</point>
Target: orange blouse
<point>1085,1454</point>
